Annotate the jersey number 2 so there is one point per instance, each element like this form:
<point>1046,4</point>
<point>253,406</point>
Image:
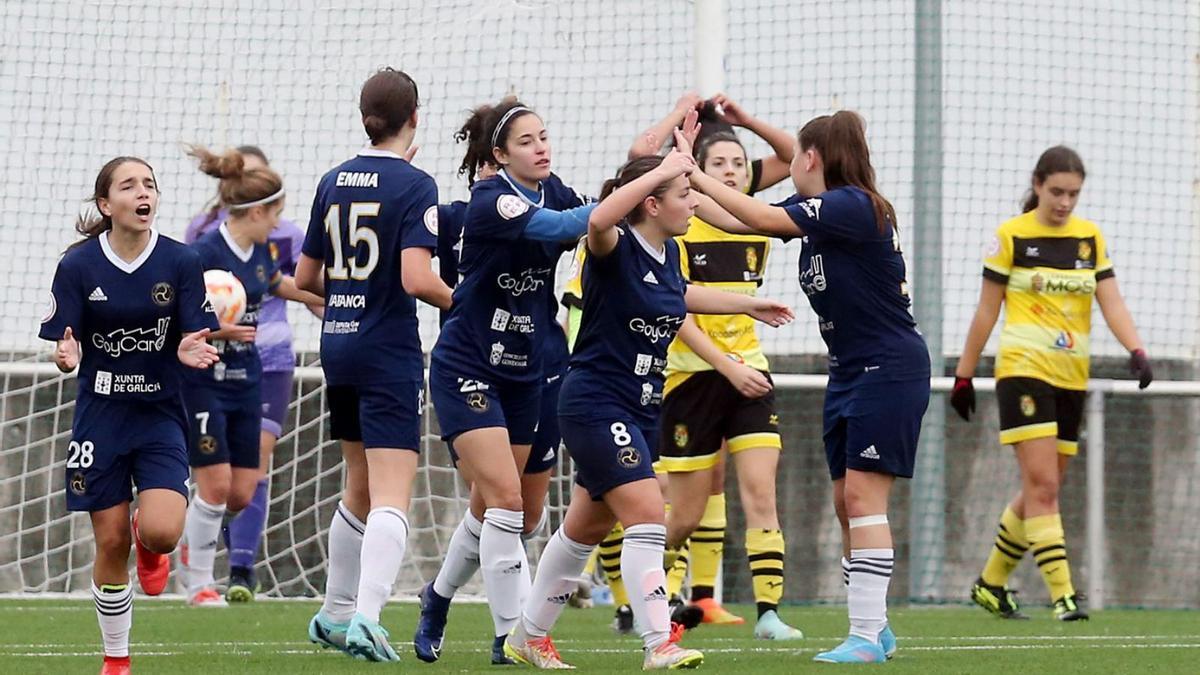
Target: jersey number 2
<point>358,235</point>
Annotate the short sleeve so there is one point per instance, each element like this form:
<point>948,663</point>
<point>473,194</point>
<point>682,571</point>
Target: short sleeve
<point>296,235</point>
<point>684,268</point>
<point>998,259</point>
<point>496,213</point>
<point>843,214</point>
<point>66,304</point>
<point>448,236</point>
<point>194,310</point>
<point>755,184</point>
<point>573,291</point>
<point>1104,265</point>
<point>314,239</point>
<point>420,226</point>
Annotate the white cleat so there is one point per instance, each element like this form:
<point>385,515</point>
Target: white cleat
<point>538,652</point>
<point>670,656</point>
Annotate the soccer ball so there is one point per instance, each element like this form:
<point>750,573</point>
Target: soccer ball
<point>227,295</point>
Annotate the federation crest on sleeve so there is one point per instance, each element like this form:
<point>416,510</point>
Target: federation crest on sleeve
<point>681,435</point>
<point>511,206</point>
<point>431,220</point>
<point>993,247</point>
<point>51,308</point>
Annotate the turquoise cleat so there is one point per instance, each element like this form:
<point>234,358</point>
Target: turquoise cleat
<point>771,627</point>
<point>887,641</point>
<point>366,639</point>
<point>854,650</point>
<point>326,633</point>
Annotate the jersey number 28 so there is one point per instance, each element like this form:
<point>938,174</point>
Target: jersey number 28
<point>358,235</point>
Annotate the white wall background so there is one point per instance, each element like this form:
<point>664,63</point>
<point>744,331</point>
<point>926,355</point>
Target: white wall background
<point>81,82</point>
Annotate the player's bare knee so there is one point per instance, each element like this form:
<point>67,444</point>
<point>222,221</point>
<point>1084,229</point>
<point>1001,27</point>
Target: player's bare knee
<point>113,546</point>
<point>1041,488</point>
<point>161,539</point>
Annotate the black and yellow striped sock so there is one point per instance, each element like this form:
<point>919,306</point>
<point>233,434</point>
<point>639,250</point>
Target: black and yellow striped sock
<point>708,547</point>
<point>677,572</point>
<point>1007,550</point>
<point>1049,547</point>
<point>764,549</point>
<point>610,562</point>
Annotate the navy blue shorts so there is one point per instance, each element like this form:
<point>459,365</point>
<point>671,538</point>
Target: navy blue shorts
<point>466,401</point>
<point>544,455</point>
<point>223,427</point>
<point>610,449</point>
<point>874,426</point>
<point>276,395</point>
<point>377,415</point>
<point>116,445</point>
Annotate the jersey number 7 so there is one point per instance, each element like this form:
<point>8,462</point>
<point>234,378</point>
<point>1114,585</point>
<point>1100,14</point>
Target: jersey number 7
<point>358,235</point>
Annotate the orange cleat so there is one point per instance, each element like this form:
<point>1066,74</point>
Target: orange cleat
<point>115,665</point>
<point>716,614</point>
<point>152,568</point>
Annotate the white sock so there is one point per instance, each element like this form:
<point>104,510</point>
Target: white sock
<point>114,612</point>
<point>866,597</point>
<point>383,547</point>
<point>345,556</point>
<point>502,557</point>
<point>558,572</point>
<point>462,557</point>
<point>642,570</point>
<point>202,529</point>
<point>845,573</point>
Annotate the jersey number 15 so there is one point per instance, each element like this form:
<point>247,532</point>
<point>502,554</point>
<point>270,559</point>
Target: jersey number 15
<point>358,235</point>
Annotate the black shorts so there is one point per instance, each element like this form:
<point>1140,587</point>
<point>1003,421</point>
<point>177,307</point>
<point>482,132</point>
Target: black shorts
<point>377,415</point>
<point>705,410</point>
<point>1031,408</point>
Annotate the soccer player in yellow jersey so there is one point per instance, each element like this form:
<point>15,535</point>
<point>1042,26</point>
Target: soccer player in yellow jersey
<point>718,392</point>
<point>1045,266</point>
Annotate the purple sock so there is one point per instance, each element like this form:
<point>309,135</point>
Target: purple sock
<point>246,529</point>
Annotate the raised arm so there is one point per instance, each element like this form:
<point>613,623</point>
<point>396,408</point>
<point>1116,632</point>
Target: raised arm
<point>602,233</point>
<point>650,141</point>
<point>775,167</point>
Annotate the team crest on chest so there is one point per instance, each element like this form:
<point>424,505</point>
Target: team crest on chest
<point>1037,282</point>
<point>260,272</point>
<point>162,294</point>
<point>751,259</point>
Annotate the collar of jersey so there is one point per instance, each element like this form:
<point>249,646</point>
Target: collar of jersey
<point>523,192</point>
<point>660,256</point>
<point>243,254</point>
<point>128,267</point>
<point>372,152</point>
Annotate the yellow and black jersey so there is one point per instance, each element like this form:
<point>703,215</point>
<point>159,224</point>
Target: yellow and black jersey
<point>735,263</point>
<point>1050,274</point>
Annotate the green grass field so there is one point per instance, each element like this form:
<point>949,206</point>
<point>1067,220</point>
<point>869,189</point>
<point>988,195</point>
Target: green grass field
<point>60,636</point>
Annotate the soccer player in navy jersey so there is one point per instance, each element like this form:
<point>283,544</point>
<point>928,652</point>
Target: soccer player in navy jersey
<point>488,367</point>
<point>369,252</point>
<point>225,403</point>
<point>634,301</point>
<point>853,272</point>
<point>133,302</point>
<point>273,339</point>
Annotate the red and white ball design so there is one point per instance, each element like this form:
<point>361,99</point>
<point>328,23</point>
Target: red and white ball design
<point>227,295</point>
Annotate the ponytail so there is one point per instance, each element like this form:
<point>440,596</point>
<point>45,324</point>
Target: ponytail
<point>481,134</point>
<point>239,188</point>
<point>841,141</point>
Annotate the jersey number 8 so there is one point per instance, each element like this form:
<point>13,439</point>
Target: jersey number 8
<point>357,235</point>
<point>80,455</point>
<point>620,434</point>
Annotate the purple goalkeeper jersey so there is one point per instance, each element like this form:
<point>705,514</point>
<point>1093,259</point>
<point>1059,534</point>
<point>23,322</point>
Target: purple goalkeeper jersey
<point>274,338</point>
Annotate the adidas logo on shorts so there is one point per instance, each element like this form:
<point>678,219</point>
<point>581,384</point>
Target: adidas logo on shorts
<point>98,296</point>
<point>869,453</point>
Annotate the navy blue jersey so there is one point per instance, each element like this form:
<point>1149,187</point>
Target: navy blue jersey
<point>633,305</point>
<point>259,273</point>
<point>854,276</point>
<point>449,243</point>
<point>507,284</point>
<point>366,211</point>
<point>128,317</point>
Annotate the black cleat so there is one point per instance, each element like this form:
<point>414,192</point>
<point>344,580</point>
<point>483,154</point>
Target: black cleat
<point>998,600</point>
<point>1067,608</point>
<point>688,616</point>
<point>499,658</point>
<point>623,620</point>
